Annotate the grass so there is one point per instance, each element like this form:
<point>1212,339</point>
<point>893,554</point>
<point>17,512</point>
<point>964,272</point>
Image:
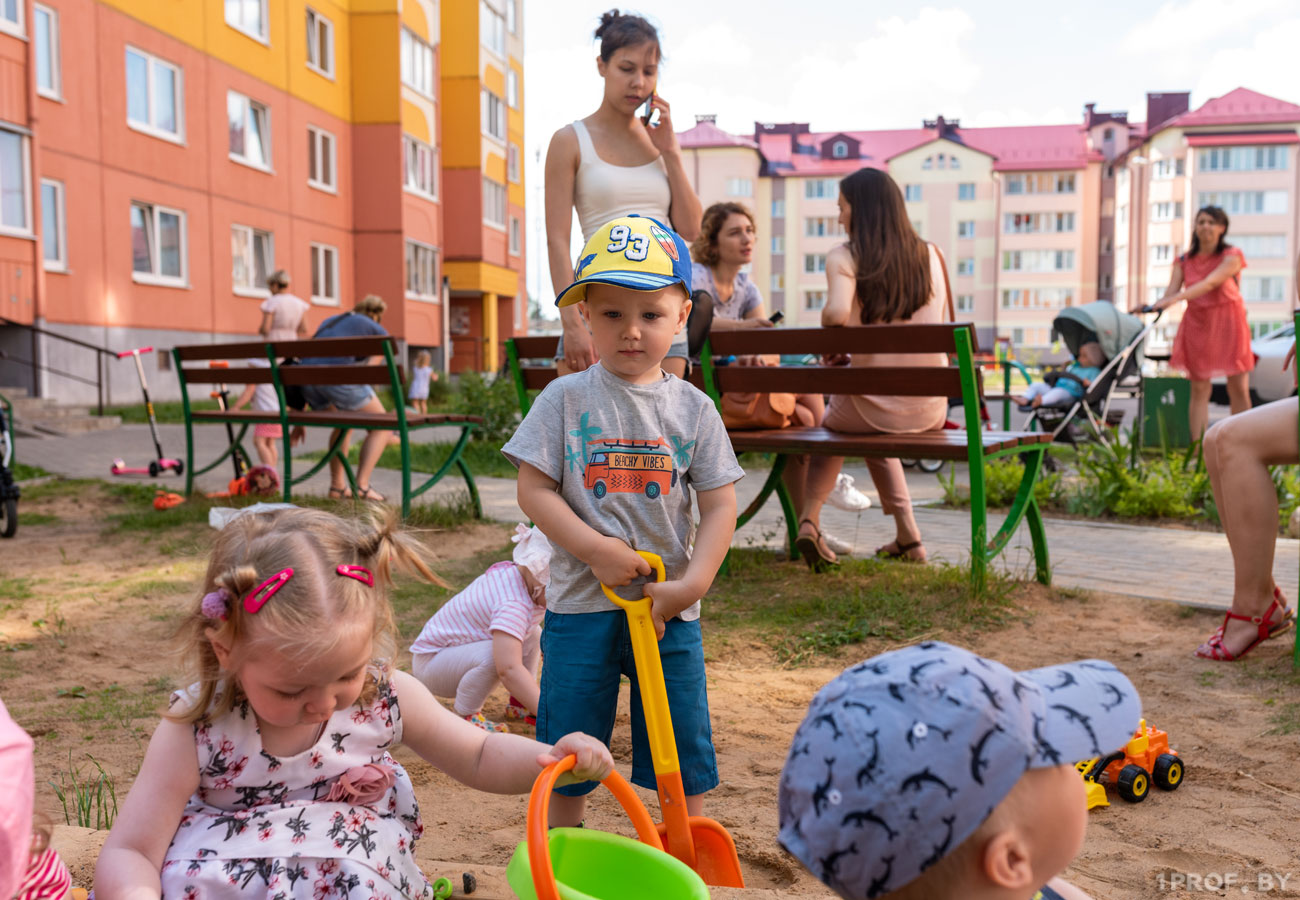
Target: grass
<point>93,796</point>
<point>483,458</point>
<point>34,518</point>
<point>15,587</point>
<point>1285,720</point>
<point>167,412</point>
<point>803,619</point>
<point>24,472</point>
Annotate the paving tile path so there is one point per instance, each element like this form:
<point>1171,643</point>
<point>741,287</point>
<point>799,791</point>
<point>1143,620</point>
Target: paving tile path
<point>1193,568</point>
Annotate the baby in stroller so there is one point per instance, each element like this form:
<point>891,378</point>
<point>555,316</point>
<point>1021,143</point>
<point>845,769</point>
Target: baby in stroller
<point>1063,388</point>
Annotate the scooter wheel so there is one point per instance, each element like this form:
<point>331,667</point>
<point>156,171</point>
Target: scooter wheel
<point>179,467</point>
<point>154,471</point>
<point>9,524</point>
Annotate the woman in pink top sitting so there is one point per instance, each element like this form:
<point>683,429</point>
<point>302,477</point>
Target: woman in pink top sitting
<point>1213,338</point>
<point>883,274</point>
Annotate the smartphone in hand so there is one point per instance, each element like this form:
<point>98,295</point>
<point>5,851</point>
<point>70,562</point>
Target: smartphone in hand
<point>648,111</point>
<point>776,317</point>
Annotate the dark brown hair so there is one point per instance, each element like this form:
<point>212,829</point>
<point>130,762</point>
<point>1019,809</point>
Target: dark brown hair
<point>617,30</point>
<point>705,248</point>
<point>891,262</point>
<point>1218,215</point>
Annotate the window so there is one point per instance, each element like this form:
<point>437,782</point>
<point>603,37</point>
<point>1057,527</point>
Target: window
<point>322,161</point>
<point>1105,281</point>
<point>966,190</point>
<point>494,116</point>
<point>1242,159</point>
<point>1064,222</point>
<point>1041,183</point>
<point>48,75</point>
<point>153,95</point>
<point>516,236</point>
<point>778,208</point>
<point>512,16</point>
<point>54,233</point>
<point>252,257</point>
<point>740,187</point>
<point>813,300</point>
<point>966,265</point>
<point>492,28</point>
<point>1166,211</point>
<point>512,89</point>
<point>965,303</point>
<point>420,166</point>
<point>416,63</point>
<point>15,175</point>
<point>157,244</point>
<point>250,131</point>
<point>954,162</point>
<point>1037,260</point>
<point>1064,184</point>
<point>1037,298</point>
<point>822,226</point>
<point>927,163</point>
<point>821,188</point>
<point>1261,246</point>
<point>1036,223</point>
<point>778,243</point>
<point>421,271</point>
<point>324,274</point>
<point>320,43</point>
<point>839,150</point>
<point>912,193</point>
<point>1015,184</point>
<point>778,281</point>
<point>250,17</point>
<point>512,163</point>
<point>1121,215</point>
<point>1162,254</point>
<point>814,262</point>
<point>1167,168</point>
<point>1107,245</point>
<point>1256,288</point>
<point>966,229</point>
<point>1245,202</point>
<point>494,203</point>
<point>11,16</point>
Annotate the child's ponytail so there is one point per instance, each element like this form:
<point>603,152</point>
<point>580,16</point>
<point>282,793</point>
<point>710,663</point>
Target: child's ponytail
<point>383,545</point>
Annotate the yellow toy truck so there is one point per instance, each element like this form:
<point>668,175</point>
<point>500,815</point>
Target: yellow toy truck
<point>1145,759</point>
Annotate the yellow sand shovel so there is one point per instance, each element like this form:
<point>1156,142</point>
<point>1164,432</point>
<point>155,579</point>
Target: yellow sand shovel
<point>700,842</point>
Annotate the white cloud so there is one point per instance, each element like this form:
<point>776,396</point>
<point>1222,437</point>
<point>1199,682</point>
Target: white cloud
<point>1180,34</point>
<point>1267,65</point>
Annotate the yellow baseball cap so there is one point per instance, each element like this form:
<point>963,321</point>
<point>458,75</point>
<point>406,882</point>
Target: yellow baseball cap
<point>634,252</point>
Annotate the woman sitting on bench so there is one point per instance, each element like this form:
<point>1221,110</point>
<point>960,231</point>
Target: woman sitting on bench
<point>884,273</point>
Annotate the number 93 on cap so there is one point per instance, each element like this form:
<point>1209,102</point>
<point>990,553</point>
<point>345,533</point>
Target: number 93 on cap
<point>634,252</point>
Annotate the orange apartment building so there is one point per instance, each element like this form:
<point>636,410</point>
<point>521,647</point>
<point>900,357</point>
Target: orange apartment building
<point>158,160</point>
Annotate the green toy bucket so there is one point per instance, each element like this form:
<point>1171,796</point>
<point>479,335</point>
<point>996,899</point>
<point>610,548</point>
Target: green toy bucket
<point>583,864</point>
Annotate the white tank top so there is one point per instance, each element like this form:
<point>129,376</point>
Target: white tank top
<point>602,192</point>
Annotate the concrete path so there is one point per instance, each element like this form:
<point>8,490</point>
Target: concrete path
<point>1188,567</point>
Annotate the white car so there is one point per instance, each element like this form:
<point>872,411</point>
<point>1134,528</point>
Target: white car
<point>1268,381</point>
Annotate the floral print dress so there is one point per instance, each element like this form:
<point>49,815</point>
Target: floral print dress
<point>338,820</point>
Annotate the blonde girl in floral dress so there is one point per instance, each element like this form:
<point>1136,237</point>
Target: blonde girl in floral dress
<point>271,776</point>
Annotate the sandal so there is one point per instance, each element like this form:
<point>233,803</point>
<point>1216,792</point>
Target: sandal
<point>900,552</point>
<point>818,556</point>
<point>1214,649</point>
<point>337,493</point>
<point>369,493</point>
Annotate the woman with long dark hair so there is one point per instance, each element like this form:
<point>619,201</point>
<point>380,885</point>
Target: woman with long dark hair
<point>1213,338</point>
<point>883,274</point>
<point>612,164</point>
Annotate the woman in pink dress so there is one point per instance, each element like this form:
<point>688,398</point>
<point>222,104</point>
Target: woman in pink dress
<point>1213,338</point>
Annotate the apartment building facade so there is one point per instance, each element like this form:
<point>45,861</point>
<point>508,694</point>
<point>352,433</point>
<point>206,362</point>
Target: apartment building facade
<point>160,160</point>
<point>1030,219</point>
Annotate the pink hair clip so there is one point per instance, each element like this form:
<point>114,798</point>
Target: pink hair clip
<point>360,573</point>
<point>266,590</point>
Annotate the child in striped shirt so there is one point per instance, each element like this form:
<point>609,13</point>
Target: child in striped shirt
<point>490,632</point>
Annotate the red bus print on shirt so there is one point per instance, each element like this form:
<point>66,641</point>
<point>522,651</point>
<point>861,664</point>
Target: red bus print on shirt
<point>630,467</point>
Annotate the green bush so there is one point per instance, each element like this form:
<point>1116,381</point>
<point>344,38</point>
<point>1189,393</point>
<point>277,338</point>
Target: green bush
<point>1002,479</point>
<point>492,398</point>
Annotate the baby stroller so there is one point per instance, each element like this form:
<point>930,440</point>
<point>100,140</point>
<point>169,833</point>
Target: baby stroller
<point>1122,338</point>
<point>9,492</point>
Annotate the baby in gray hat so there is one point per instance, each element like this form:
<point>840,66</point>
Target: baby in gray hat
<point>931,772</point>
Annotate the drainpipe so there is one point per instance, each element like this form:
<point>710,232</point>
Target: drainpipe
<point>33,149</point>
<point>997,251</point>
<point>446,327</point>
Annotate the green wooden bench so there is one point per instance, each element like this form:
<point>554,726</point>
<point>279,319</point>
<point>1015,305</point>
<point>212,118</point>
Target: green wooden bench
<point>529,361</point>
<point>279,375</point>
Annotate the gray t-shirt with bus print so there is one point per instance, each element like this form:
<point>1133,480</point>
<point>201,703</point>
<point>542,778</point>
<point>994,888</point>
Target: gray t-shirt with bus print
<point>623,455</point>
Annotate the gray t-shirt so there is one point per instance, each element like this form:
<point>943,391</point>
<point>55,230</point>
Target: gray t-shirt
<point>623,454</point>
<point>744,297</point>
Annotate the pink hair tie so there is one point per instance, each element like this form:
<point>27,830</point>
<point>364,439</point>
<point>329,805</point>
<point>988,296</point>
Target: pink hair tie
<point>257,598</point>
<point>216,604</point>
<point>360,573</point>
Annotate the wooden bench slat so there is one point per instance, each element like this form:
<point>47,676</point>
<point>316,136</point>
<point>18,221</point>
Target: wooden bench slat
<point>946,444</point>
<point>242,350</point>
<point>336,346</point>
<point>895,381</point>
<point>819,341</point>
<point>536,377</point>
<point>331,417</point>
<point>541,347</point>
<point>350,374</point>
<point>234,375</point>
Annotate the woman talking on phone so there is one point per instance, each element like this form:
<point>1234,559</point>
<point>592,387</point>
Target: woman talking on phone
<point>623,159</point>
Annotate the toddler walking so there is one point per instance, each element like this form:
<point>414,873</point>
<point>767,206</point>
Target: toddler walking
<point>421,374</point>
<point>488,633</point>
<point>272,774</point>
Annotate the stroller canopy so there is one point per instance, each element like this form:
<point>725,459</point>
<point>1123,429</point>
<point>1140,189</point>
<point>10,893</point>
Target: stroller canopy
<point>1115,330</point>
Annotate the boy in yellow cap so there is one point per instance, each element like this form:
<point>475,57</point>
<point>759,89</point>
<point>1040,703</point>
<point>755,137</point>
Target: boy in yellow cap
<point>604,459</point>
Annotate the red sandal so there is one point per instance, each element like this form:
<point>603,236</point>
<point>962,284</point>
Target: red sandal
<point>1213,647</point>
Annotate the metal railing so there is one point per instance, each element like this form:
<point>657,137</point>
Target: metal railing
<point>35,365</point>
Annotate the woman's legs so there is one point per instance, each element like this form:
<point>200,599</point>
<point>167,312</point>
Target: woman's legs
<point>371,449</point>
<point>1239,392</point>
<point>1198,413</point>
<point>1238,451</point>
<point>338,481</point>
<point>891,484</point>
<point>808,411</point>
<point>818,484</point>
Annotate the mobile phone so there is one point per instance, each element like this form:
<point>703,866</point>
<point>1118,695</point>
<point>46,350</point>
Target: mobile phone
<point>776,317</point>
<point>648,111</point>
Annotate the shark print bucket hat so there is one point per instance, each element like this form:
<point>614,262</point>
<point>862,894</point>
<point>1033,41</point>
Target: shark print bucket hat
<point>902,757</point>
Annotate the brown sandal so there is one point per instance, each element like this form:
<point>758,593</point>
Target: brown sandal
<point>819,557</point>
<point>369,493</point>
<point>900,552</point>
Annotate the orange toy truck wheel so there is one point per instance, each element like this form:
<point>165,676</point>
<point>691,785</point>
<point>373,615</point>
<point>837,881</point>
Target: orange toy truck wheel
<point>1134,784</point>
<point>1167,773</point>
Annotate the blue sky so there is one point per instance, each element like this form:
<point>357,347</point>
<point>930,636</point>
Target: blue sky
<point>840,64</point>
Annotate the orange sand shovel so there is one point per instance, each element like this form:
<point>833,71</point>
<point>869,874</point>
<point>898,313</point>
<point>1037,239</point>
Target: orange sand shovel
<point>700,842</point>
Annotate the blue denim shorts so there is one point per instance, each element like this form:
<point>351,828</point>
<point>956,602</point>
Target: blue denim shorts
<point>339,396</point>
<point>583,655</point>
